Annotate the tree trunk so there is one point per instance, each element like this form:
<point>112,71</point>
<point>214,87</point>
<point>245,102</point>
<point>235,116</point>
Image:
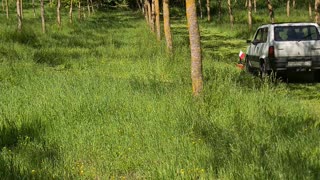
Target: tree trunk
<point>7,9</point>
<point>157,10</point>
<point>88,7</point>
<point>317,11</point>
<point>149,15</point>
<point>79,10</point>
<point>21,9</point>
<point>250,15</point>
<point>92,8</point>
<point>200,9</point>
<point>145,11</point>
<point>43,23</point>
<point>58,13</point>
<point>2,3</point>
<point>83,13</point>
<point>152,16</point>
<point>293,4</point>
<point>34,9</point>
<point>230,13</point>
<point>208,10</point>
<point>310,9</point>
<point>271,13</point>
<point>288,8</point>
<point>195,47</point>
<point>19,16</point>
<point>166,25</point>
<point>70,11</point>
<point>255,5</point>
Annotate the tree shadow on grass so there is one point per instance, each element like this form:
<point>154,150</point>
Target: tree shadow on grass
<point>22,150</point>
<point>282,144</point>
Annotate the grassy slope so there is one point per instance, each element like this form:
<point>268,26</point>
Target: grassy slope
<point>101,100</point>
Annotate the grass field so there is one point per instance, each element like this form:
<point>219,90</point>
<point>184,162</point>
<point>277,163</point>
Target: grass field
<point>100,99</point>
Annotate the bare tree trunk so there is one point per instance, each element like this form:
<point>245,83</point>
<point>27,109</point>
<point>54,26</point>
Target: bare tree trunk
<point>246,4</point>
<point>58,13</point>
<point>317,11</point>
<point>152,16</point>
<point>293,4</point>
<point>43,23</point>
<point>288,8</point>
<point>157,11</point>
<point>208,10</point>
<point>310,9</point>
<point>255,5</point>
<point>271,12</point>
<point>83,13</point>
<point>21,8</point>
<point>7,9</point>
<point>88,7</point>
<point>79,10</point>
<point>139,5</point>
<point>34,9</point>
<point>200,9</point>
<point>145,11</point>
<point>230,13</point>
<point>70,11</point>
<point>250,15</point>
<point>166,25</point>
<point>2,3</point>
<point>195,46</point>
<point>19,16</point>
<point>92,7</point>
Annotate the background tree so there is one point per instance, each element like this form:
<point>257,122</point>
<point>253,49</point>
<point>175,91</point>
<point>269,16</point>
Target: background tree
<point>230,13</point>
<point>70,11</point>
<point>250,15</point>
<point>79,10</point>
<point>293,4</point>
<point>43,22</point>
<point>153,16</point>
<point>58,13</point>
<point>157,17</point>
<point>288,8</point>
<point>271,12</point>
<point>208,10</point>
<point>310,9</point>
<point>317,11</point>
<point>21,8</point>
<point>195,46</point>
<point>149,14</point>
<point>166,25</point>
<point>34,9</point>
<point>92,6</point>
<point>7,9</point>
<point>88,7</point>
<point>19,15</point>
<point>200,9</point>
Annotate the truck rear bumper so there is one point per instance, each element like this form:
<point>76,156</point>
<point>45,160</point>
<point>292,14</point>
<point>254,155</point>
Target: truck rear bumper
<point>295,64</point>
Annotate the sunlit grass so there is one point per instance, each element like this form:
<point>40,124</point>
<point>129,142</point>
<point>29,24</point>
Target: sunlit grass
<point>100,99</point>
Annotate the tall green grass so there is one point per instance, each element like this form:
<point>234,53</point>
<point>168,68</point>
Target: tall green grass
<point>101,99</point>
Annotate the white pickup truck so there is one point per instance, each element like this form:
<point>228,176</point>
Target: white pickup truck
<point>284,47</point>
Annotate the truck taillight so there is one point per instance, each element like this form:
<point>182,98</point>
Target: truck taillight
<point>271,52</point>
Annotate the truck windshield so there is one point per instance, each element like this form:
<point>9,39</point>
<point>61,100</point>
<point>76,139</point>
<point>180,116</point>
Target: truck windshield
<point>296,33</point>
